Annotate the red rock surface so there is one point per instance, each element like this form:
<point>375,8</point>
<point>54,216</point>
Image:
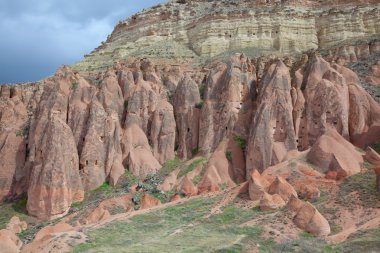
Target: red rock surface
<point>332,152</point>
<point>148,201</point>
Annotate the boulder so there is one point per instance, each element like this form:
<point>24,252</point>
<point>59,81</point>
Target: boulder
<point>187,187</point>
<point>52,229</point>
<point>331,152</point>
<point>60,237</point>
<point>98,214</point>
<point>175,197</point>
<point>148,201</point>
<point>309,192</point>
<point>257,186</point>
<point>16,225</point>
<point>169,181</point>
<point>271,202</point>
<point>309,219</point>
<point>294,204</point>
<point>372,156</point>
<point>9,242</point>
<point>281,187</point>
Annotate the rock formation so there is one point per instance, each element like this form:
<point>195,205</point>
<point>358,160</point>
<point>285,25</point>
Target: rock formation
<point>332,152</point>
<point>272,133</point>
<point>309,219</point>
<point>182,31</point>
<point>54,182</point>
<point>137,154</point>
<point>148,201</point>
<point>184,79</point>
<point>185,101</point>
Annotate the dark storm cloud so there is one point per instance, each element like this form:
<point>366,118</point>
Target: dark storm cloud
<point>37,36</point>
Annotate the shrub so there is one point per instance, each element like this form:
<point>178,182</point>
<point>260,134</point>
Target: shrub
<point>74,86</point>
<point>194,151</point>
<point>229,155</point>
<point>241,142</point>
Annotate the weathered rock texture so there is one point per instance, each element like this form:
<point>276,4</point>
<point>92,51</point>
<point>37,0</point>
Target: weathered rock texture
<point>206,93</point>
<point>334,153</point>
<point>197,30</point>
<point>54,180</point>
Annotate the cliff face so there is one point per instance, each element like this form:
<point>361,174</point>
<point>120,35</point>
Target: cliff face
<point>195,31</point>
<point>72,132</point>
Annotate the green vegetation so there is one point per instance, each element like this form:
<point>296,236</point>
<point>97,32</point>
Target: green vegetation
<point>130,178</point>
<point>202,88</point>
<point>192,166</point>
<point>181,228</point>
<point>197,179</point>
<point>74,86</point>
<point>94,196</point>
<point>241,142</point>
<point>223,186</point>
<point>335,229</point>
<point>361,241</point>
<point>23,131</point>
<point>305,234</point>
<point>364,185</point>
<point>170,166</point>
<point>188,228</point>
<point>8,210</point>
<point>125,104</point>
<point>229,155</point>
<point>194,151</point>
<point>376,147</point>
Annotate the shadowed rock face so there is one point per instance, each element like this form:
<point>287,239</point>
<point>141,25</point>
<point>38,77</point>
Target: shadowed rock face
<point>13,120</point>
<point>228,93</point>
<point>185,103</point>
<point>272,132</point>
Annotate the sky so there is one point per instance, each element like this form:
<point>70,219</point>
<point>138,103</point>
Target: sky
<point>38,36</point>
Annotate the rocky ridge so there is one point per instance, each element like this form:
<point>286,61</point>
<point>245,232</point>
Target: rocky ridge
<point>196,31</point>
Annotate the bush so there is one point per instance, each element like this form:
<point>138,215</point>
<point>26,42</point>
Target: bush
<point>241,142</point>
<point>192,166</point>
<point>229,155</point>
<point>74,86</point>
<point>194,151</point>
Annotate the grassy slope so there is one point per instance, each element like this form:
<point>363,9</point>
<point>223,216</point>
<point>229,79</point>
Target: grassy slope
<point>185,228</point>
<point>181,228</point>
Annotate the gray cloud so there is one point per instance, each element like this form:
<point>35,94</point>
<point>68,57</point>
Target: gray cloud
<point>40,35</point>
